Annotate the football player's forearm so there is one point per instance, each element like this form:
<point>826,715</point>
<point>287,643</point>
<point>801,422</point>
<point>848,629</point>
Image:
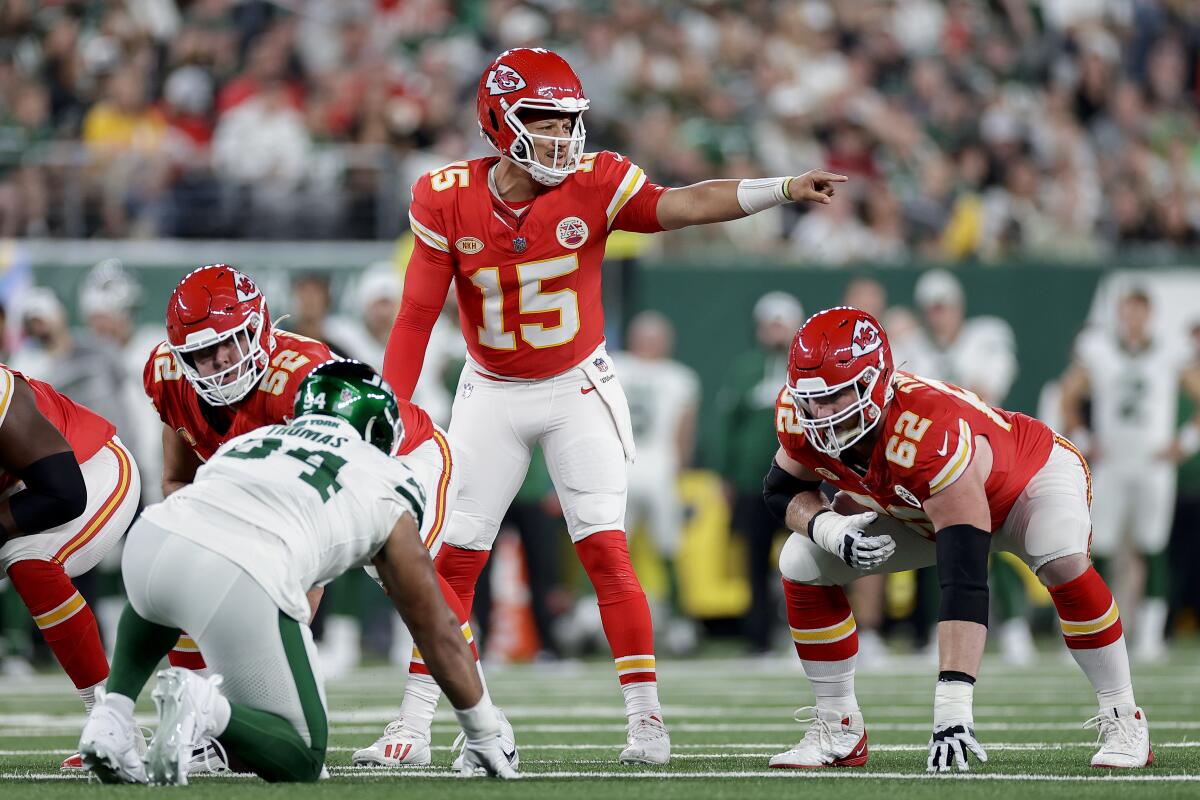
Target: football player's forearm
<point>700,204</point>
<point>802,509</point>
<point>438,636</point>
<point>960,646</point>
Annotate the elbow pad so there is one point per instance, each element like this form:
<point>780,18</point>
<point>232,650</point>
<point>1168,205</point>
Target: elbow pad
<point>780,486</point>
<point>54,493</point>
<point>962,566</point>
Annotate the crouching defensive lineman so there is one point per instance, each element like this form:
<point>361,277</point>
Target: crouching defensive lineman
<point>927,473</point>
<point>229,558</point>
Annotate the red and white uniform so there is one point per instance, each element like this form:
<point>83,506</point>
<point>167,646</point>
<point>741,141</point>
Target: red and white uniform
<point>1038,490</point>
<point>273,401</point>
<point>109,472</point>
<point>528,285</point>
<point>205,427</point>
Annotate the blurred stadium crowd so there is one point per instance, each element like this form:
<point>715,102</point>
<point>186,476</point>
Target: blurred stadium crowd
<point>973,129</point>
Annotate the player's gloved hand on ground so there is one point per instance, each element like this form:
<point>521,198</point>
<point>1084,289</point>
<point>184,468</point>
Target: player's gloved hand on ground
<point>953,742</point>
<point>486,755</point>
<point>847,538</point>
<point>484,750</point>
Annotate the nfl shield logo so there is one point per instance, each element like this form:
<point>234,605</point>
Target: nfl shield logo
<point>601,364</point>
<point>519,244</point>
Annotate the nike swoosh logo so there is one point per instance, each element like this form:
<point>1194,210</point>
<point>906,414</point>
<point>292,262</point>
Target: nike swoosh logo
<point>587,389</point>
<point>945,444</point>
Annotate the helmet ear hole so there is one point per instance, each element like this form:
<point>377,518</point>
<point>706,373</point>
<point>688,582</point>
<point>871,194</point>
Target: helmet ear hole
<point>492,118</point>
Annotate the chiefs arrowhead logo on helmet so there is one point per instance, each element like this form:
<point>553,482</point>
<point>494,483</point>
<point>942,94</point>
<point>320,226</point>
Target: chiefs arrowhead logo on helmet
<point>246,288</point>
<point>866,338</point>
<point>504,79</point>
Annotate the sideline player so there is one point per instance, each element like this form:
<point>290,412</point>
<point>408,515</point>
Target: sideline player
<point>68,490</point>
<point>522,236</point>
<point>928,474</point>
<point>1133,379</point>
<point>231,557</point>
<point>225,370</point>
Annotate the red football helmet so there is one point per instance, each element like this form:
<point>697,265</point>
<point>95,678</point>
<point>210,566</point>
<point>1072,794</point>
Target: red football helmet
<point>531,78</point>
<point>209,306</point>
<point>838,349</point>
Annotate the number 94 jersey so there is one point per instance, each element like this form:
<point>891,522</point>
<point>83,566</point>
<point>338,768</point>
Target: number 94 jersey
<point>528,279</point>
<point>925,443</point>
<point>295,505</point>
<point>180,408</point>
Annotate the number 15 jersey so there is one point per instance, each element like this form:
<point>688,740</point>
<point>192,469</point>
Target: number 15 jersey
<point>527,275</point>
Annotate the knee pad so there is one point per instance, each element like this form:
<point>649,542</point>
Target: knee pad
<point>587,512</point>
<point>798,561</point>
<point>470,531</point>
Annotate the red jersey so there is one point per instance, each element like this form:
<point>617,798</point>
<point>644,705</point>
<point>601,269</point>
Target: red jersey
<point>84,429</point>
<point>527,279</point>
<point>926,442</point>
<point>206,427</point>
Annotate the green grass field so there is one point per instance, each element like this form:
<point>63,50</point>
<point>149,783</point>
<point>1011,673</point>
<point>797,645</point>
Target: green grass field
<point>726,716</point>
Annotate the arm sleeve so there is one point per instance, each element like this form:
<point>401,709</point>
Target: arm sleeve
<point>426,282</point>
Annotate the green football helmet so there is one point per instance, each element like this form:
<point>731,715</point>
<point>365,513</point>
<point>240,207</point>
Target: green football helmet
<point>355,392</point>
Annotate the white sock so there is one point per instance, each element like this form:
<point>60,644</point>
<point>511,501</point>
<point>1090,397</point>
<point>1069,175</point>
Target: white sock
<point>641,698</point>
<point>88,696</point>
<point>421,695</point>
<point>833,684</point>
<point>1107,669</point>
<point>119,702</point>
<point>483,681</point>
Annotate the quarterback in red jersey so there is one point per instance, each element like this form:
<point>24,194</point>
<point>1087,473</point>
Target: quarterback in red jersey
<point>928,474</point>
<point>68,491</point>
<point>225,370</point>
<point>522,236</point>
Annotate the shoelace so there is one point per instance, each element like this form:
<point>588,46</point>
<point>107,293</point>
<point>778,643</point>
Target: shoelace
<point>394,727</point>
<point>818,731</point>
<point>646,728</point>
<point>1107,726</point>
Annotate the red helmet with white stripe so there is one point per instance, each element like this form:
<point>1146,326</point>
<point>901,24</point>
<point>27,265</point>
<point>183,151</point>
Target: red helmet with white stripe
<point>212,305</point>
<point>532,79</point>
<point>836,351</point>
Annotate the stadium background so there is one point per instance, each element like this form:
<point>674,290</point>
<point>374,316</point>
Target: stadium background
<point>1048,153</point>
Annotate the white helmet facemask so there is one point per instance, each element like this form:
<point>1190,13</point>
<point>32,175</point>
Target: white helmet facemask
<point>248,367</point>
<point>836,432</point>
<point>567,150</point>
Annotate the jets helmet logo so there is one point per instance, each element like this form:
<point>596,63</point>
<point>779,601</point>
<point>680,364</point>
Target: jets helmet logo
<point>246,289</point>
<point>503,80</point>
<point>866,339</point>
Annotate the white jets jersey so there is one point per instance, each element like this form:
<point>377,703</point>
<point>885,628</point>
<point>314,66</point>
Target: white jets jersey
<point>982,359</point>
<point>1135,395</point>
<point>294,505</point>
<point>659,392</point>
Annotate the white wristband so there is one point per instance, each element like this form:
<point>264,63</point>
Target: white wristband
<point>480,721</point>
<point>759,194</point>
<point>952,703</point>
<point>1189,439</point>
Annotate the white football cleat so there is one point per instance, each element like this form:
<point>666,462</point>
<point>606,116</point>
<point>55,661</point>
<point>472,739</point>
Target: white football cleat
<point>209,758</point>
<point>111,745</point>
<point>1124,738</point>
<point>832,740</point>
<point>508,743</point>
<point>400,746</point>
<point>185,703</point>
<point>648,741</point>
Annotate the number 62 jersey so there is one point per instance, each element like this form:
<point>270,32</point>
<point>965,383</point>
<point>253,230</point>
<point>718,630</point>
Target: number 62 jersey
<point>527,275</point>
<point>294,505</point>
<point>926,441</point>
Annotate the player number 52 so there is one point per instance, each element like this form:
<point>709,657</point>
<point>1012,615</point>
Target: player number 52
<point>283,365</point>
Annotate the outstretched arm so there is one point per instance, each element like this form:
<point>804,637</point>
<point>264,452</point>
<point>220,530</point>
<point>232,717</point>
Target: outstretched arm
<point>723,200</point>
